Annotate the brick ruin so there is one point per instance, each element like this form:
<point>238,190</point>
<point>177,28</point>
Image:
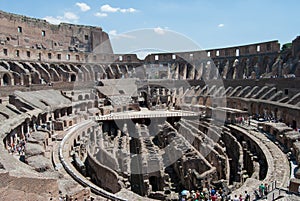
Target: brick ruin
<point>99,125</point>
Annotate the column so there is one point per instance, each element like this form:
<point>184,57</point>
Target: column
<point>184,74</point>
<point>192,74</point>
<point>176,72</point>
<point>22,131</point>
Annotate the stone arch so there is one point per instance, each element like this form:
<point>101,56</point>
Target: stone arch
<point>266,65</point>
<point>217,65</point>
<point>52,72</point>
<point>99,72</point>
<point>224,68</point>
<point>230,71</point>
<point>123,71</point>
<point>17,78</point>
<point>244,65</point>
<point>255,66</point>
<point>85,73</point>
<point>44,74</point>
<point>36,78</point>
<point>153,180</point>
<point>90,71</point>
<point>7,79</point>
<point>72,77</point>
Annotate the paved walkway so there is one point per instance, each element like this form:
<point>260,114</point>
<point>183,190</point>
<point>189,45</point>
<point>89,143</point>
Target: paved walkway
<point>146,114</point>
<point>278,170</point>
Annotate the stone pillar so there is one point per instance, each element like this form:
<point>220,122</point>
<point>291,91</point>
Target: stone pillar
<point>22,79</point>
<point>169,76</point>
<point>22,132</point>
<point>11,140</point>
<point>208,70</point>
<point>192,74</point>
<point>225,70</point>
<point>199,71</point>
<point>236,69</point>
<point>28,129</point>
<point>184,73</point>
<point>176,72</point>
<point>29,79</point>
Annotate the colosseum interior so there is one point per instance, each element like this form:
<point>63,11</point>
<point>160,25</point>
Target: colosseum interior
<point>80,125</point>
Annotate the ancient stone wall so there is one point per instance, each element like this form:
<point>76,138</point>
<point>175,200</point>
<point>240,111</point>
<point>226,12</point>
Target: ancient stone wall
<point>296,48</point>
<point>102,176</point>
<point>47,41</point>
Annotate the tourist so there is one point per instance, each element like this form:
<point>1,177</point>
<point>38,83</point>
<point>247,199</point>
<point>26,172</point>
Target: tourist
<point>241,198</point>
<point>214,197</point>
<point>236,198</point>
<point>247,196</point>
<point>261,189</point>
<point>193,194</point>
<point>202,196</point>
<point>266,190</point>
<point>198,194</point>
<point>19,149</point>
<point>212,191</point>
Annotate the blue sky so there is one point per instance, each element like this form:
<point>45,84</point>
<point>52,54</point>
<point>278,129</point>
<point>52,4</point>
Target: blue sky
<point>209,23</point>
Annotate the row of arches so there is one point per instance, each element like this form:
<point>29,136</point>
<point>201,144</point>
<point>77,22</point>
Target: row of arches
<point>26,73</point>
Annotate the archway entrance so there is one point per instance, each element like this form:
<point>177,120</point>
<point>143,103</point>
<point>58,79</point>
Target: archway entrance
<point>153,182</point>
<point>73,78</point>
<point>6,80</point>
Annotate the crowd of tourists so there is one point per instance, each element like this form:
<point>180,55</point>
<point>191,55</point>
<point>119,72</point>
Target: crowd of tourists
<point>211,194</point>
<point>18,147</point>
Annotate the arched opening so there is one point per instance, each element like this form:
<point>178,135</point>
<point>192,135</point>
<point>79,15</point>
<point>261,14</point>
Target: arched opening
<point>144,102</point>
<point>6,80</point>
<point>73,78</point>
<point>153,183</point>
<point>294,124</point>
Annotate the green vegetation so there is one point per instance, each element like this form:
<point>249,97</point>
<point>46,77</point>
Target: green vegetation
<point>286,46</point>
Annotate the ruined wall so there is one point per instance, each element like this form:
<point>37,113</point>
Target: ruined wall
<point>102,176</point>
<point>42,38</point>
<point>296,48</point>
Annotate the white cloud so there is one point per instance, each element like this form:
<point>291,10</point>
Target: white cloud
<point>128,10</point>
<point>109,9</point>
<point>116,35</point>
<point>159,30</point>
<point>53,20</point>
<point>221,25</point>
<point>99,14</point>
<point>68,17</point>
<point>83,6</point>
<point>71,16</point>
<point>113,32</point>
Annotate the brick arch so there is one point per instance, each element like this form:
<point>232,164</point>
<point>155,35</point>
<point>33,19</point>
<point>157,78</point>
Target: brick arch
<point>90,71</point>
<point>44,74</point>
<point>7,79</point>
<point>17,78</point>
<point>73,77</point>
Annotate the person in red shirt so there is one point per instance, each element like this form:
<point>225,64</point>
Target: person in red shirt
<point>214,197</point>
